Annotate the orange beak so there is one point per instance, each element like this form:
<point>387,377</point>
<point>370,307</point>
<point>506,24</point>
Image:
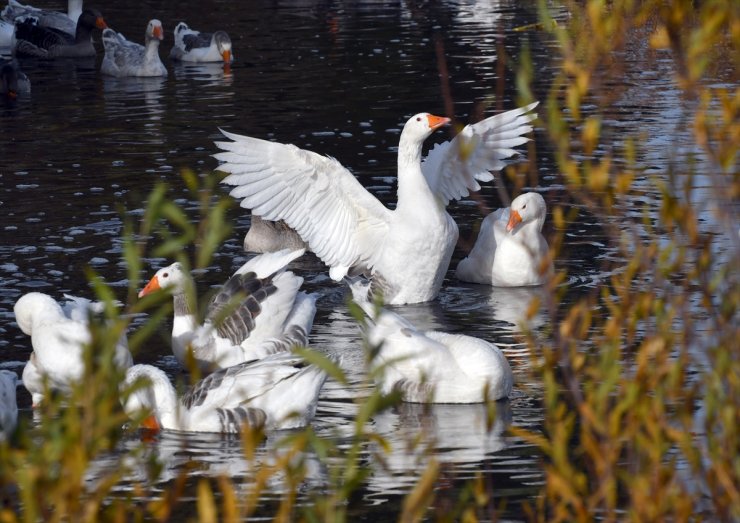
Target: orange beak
<point>514,220</point>
<point>12,95</point>
<point>227,56</point>
<point>100,23</point>
<point>150,287</point>
<point>158,33</point>
<point>151,423</point>
<point>437,121</point>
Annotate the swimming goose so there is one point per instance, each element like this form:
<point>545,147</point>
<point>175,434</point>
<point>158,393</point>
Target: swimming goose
<point>58,336</point>
<point>406,251</point>
<point>431,366</point>
<point>45,42</point>
<point>280,391</point>
<point>271,308</point>
<point>8,405</point>
<point>65,22</point>
<point>194,46</point>
<point>125,58</point>
<point>510,250</point>
<point>12,80</point>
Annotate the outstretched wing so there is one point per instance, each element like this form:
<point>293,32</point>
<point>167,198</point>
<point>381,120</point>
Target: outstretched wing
<point>453,168</point>
<point>342,223</point>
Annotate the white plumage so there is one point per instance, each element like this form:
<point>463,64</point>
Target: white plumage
<point>406,251</point>
<point>194,46</point>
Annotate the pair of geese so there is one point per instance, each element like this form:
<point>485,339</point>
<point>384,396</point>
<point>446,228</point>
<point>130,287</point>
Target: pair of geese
<point>48,34</point>
<point>402,253</point>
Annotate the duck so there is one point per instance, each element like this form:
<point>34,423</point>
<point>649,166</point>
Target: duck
<point>125,58</point>
<point>65,22</point>
<point>194,46</point>
<point>266,236</point>
<point>431,366</point>
<point>272,307</point>
<point>8,404</point>
<point>58,336</point>
<point>7,37</point>
<point>510,250</point>
<point>12,80</point>
<point>46,42</point>
<point>280,391</point>
<point>404,252</point>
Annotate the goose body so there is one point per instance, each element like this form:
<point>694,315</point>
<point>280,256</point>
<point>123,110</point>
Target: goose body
<point>7,37</point>
<point>65,22</point>
<point>125,58</point>
<point>432,366</point>
<point>510,250</point>
<point>272,317</point>
<point>405,251</point>
<point>34,39</point>
<point>8,405</point>
<point>58,336</point>
<point>194,46</point>
<point>266,236</point>
<point>278,392</point>
<point>12,80</point>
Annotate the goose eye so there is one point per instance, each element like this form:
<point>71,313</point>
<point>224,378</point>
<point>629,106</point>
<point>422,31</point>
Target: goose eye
<point>165,275</point>
<point>418,118</point>
<point>524,206</point>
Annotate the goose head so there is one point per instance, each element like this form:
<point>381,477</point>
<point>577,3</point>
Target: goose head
<point>172,277</point>
<point>526,208</point>
<point>91,19</point>
<point>149,391</point>
<point>420,126</point>
<point>34,305</point>
<point>223,44</point>
<point>154,31</point>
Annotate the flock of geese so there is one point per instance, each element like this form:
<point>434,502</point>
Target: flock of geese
<point>27,31</point>
<point>303,201</point>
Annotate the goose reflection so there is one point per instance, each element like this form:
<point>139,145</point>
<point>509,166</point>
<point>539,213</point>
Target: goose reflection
<point>136,100</point>
<point>214,74</point>
<point>511,305</point>
<point>456,435</point>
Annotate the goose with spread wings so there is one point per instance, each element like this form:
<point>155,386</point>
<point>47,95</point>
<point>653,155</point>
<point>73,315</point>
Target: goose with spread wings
<point>405,251</point>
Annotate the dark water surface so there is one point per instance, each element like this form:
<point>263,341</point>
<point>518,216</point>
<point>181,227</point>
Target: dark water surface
<point>339,78</point>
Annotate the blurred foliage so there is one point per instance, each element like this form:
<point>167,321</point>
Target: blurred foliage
<point>641,378</point>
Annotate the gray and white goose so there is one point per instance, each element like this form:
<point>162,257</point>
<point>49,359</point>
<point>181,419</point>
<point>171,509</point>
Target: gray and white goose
<point>33,39</point>
<point>65,22</point>
<point>280,391</point>
<point>272,316</point>
<point>125,58</point>
<point>195,46</point>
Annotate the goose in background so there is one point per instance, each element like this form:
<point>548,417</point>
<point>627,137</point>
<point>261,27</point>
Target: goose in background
<point>8,404</point>
<point>194,46</point>
<point>65,22</point>
<point>510,250</point>
<point>280,391</point>
<point>12,80</point>
<point>431,366</point>
<point>7,37</point>
<point>405,251</point>
<point>58,336</point>
<point>44,42</point>
<point>272,316</point>
<point>125,58</point>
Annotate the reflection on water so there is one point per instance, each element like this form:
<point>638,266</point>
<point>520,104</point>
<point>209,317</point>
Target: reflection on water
<point>339,80</point>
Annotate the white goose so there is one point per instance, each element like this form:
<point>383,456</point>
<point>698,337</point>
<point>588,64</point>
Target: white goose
<point>280,391</point>
<point>7,37</point>
<point>406,251</point>
<point>125,58</point>
<point>510,250</point>
<point>8,404</point>
<point>65,22</point>
<point>432,367</point>
<point>58,336</point>
<point>272,308</point>
<point>194,46</point>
